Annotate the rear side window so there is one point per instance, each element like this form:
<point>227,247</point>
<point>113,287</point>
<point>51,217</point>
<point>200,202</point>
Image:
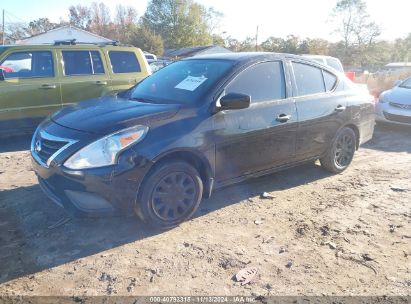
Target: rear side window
<point>124,62</point>
<point>35,64</point>
<point>82,63</point>
<point>263,82</point>
<point>329,80</point>
<point>309,79</point>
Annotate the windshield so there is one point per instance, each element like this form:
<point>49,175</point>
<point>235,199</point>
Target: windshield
<point>406,83</point>
<point>182,82</point>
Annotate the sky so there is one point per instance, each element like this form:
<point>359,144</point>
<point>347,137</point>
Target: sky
<point>302,18</point>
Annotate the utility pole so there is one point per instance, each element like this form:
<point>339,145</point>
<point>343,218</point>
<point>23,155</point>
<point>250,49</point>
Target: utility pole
<point>2,31</point>
<point>256,40</point>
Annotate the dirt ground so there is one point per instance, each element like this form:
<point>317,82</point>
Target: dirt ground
<point>346,234</point>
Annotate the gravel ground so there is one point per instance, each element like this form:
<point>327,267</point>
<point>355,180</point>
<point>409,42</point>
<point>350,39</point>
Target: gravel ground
<point>314,234</point>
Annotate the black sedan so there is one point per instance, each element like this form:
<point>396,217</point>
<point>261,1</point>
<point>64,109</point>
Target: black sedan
<point>197,125</point>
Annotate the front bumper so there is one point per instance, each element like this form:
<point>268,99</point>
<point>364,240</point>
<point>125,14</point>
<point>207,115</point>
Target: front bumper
<point>387,113</point>
<point>97,191</point>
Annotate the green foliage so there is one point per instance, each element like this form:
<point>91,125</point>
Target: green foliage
<point>147,40</point>
<point>357,30</point>
<point>180,23</point>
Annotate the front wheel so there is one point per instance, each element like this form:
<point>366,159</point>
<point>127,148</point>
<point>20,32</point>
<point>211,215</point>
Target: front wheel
<point>170,195</point>
<point>341,152</point>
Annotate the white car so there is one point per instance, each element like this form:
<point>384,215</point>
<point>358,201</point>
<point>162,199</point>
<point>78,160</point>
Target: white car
<point>394,105</point>
<point>327,60</point>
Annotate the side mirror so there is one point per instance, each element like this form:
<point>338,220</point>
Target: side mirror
<point>397,83</point>
<point>235,101</point>
<point>2,77</point>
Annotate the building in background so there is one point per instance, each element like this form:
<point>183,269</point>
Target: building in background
<point>67,32</point>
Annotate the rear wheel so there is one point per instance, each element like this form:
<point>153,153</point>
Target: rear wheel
<point>170,195</point>
<point>341,152</point>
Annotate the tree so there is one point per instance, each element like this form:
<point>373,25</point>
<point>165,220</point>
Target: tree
<point>40,26</point>
<point>125,23</point>
<point>80,16</point>
<point>357,30</point>
<point>232,44</point>
<point>145,39</point>
<point>180,23</point>
<point>273,44</point>
<point>101,20</point>
<point>14,32</point>
<point>314,46</point>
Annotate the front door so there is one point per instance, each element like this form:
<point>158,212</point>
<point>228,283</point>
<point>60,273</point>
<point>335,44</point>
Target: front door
<point>259,137</point>
<point>30,91</point>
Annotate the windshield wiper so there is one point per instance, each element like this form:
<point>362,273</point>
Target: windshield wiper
<point>141,99</point>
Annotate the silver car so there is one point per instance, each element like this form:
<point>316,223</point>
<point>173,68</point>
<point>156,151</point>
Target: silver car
<point>394,105</point>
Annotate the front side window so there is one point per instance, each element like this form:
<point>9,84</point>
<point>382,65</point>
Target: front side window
<point>35,64</point>
<point>82,63</point>
<point>124,62</point>
<point>263,82</point>
<point>309,79</point>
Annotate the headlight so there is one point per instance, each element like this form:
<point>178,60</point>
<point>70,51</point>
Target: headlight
<point>104,151</point>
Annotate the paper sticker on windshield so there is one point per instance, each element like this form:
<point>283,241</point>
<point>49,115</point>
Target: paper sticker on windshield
<point>191,83</point>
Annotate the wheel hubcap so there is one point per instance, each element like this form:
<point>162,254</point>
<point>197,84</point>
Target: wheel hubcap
<point>344,150</point>
<point>174,196</point>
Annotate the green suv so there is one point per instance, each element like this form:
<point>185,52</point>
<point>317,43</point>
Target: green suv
<point>36,80</point>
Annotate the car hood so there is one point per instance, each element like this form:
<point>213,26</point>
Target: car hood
<point>109,114</point>
<point>399,95</point>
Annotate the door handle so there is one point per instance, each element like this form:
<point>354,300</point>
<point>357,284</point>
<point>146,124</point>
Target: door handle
<point>340,108</point>
<point>283,118</point>
<point>48,86</point>
<point>101,82</point>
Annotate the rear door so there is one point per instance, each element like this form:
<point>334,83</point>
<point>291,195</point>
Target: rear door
<point>83,75</point>
<point>259,137</point>
<point>30,90</point>
<point>321,109</point>
<point>127,67</point>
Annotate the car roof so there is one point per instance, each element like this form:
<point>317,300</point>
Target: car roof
<point>247,56</point>
<point>54,46</point>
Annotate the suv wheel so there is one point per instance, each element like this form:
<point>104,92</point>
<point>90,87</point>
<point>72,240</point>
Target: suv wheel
<point>340,154</point>
<point>170,195</point>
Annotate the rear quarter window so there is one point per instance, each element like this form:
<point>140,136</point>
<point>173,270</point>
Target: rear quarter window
<point>124,62</point>
<point>329,80</point>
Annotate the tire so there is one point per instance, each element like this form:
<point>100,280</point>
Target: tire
<point>170,194</point>
<point>341,152</point>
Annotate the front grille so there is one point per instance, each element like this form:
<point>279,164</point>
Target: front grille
<point>398,118</point>
<point>400,105</point>
<point>45,147</point>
